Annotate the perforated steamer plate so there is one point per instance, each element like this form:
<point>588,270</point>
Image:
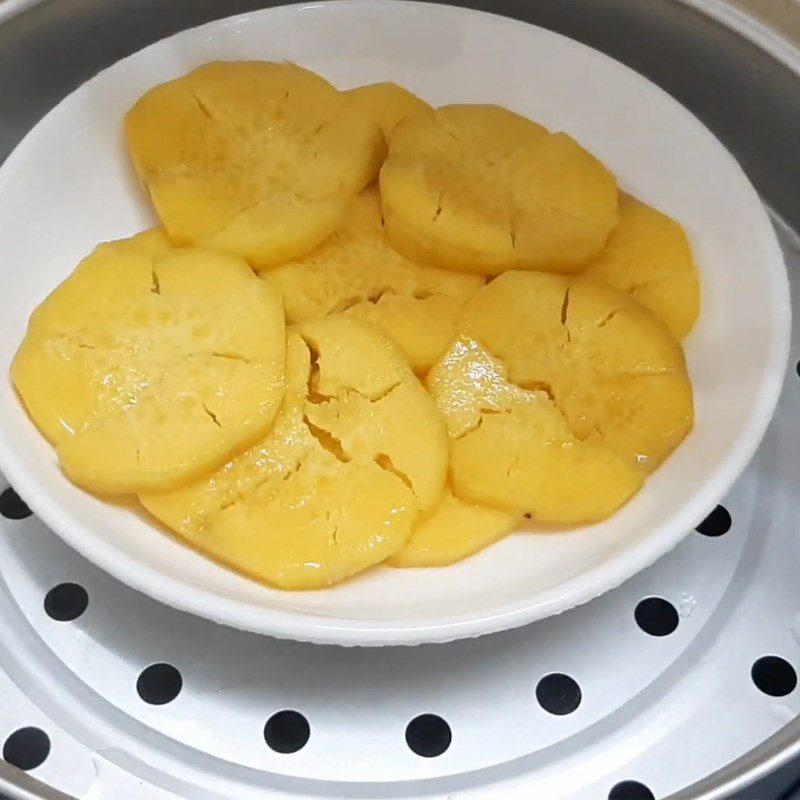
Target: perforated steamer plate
<point>673,676</point>
<point>658,709</point>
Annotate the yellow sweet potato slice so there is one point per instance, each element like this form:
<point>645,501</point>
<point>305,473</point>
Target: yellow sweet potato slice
<point>392,420</point>
<point>148,366</point>
<point>512,448</point>
<point>610,365</point>
<point>387,103</point>
<point>454,531</point>
<point>254,158</point>
<point>479,188</point>
<point>648,257</point>
<point>357,449</point>
<point>356,270</point>
<point>422,326</point>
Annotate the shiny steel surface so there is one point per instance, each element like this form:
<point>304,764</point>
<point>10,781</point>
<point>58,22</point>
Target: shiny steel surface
<point>745,84</point>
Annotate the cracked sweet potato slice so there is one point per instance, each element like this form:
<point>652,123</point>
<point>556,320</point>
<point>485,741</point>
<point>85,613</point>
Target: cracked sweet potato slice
<point>513,450</point>
<point>385,415</point>
<point>358,449</point>
<point>357,271</point>
<point>387,103</point>
<point>609,364</point>
<point>148,366</point>
<point>254,158</point>
<point>479,188</point>
<point>648,257</point>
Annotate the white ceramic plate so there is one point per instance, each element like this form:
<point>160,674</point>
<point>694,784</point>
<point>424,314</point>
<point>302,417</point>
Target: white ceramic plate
<point>69,186</point>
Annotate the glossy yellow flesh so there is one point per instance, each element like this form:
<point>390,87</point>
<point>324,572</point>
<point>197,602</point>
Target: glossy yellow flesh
<point>482,189</point>
<point>149,366</point>
<point>357,270</point>
<point>648,256</point>
<point>454,531</point>
<point>423,327</point>
<point>612,367</point>
<point>357,450</point>
<point>254,158</point>
<point>513,450</point>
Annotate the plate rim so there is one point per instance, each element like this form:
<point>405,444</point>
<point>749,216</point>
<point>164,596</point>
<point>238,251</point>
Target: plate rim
<point>310,627</point>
